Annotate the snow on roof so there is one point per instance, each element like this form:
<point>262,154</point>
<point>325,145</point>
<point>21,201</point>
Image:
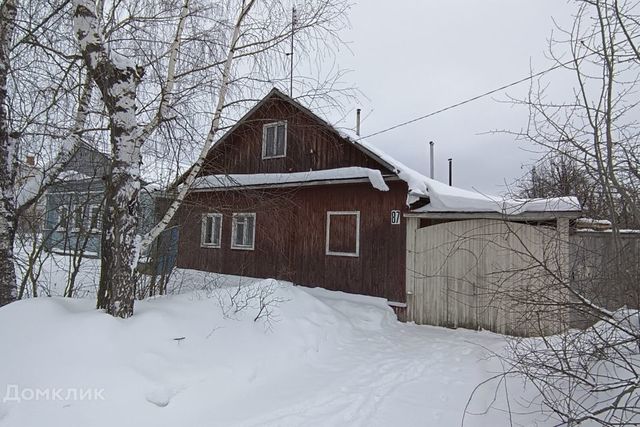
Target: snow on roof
<point>600,225</point>
<point>442,198</point>
<point>243,180</point>
<point>72,175</point>
<point>593,223</point>
<point>414,179</point>
<point>27,187</point>
<point>445,198</point>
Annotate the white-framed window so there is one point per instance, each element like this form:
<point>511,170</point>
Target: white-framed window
<point>70,217</point>
<point>343,233</point>
<point>76,218</point>
<point>274,140</point>
<point>94,219</point>
<point>62,218</point>
<point>243,232</point>
<point>211,236</point>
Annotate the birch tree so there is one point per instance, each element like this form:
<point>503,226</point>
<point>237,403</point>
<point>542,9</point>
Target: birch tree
<point>47,98</point>
<point>8,11</point>
<point>117,78</point>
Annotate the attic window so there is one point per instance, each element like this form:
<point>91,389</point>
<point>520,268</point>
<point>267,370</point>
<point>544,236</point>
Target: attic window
<point>274,140</point>
<point>343,233</point>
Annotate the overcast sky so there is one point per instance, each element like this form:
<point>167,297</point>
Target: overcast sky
<point>412,57</point>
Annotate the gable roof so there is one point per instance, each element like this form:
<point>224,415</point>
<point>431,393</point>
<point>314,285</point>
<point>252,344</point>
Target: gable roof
<point>442,198</point>
<point>276,93</point>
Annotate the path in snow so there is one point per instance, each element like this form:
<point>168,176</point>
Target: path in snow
<point>421,374</point>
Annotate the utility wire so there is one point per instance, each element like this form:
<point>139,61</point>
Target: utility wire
<point>475,98</point>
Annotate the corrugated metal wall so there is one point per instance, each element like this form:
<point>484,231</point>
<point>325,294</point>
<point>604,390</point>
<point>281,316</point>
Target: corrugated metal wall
<point>483,274</point>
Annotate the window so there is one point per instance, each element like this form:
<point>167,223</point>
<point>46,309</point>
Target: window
<point>274,140</point>
<point>77,217</point>
<point>94,219</point>
<point>343,233</point>
<point>243,231</point>
<point>51,213</point>
<point>62,217</point>
<point>211,230</point>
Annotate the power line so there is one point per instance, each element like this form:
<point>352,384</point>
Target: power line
<point>475,98</point>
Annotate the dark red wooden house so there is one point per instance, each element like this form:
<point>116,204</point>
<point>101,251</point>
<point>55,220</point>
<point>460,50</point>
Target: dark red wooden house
<point>285,195</point>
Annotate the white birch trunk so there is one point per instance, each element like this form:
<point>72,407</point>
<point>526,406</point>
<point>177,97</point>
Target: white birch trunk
<point>8,11</point>
<point>215,126</point>
<point>117,80</point>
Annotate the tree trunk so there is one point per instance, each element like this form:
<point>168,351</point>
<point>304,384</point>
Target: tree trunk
<point>120,244</point>
<point>8,10</point>
<point>118,81</point>
<point>7,232</point>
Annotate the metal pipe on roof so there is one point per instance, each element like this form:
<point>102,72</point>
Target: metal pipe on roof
<point>358,122</point>
<point>431,160</point>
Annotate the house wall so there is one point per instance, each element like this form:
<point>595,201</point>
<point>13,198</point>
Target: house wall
<point>291,232</point>
<point>311,145</point>
<point>68,195</point>
<point>84,193</point>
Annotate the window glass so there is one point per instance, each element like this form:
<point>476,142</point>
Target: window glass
<point>211,230</point>
<point>343,233</point>
<point>270,147</point>
<point>243,232</point>
<point>279,149</point>
<point>274,140</point>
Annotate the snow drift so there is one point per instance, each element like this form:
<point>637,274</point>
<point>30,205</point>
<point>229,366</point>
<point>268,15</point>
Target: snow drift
<point>319,358</point>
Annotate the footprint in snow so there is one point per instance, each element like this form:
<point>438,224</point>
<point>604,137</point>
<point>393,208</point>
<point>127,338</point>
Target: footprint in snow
<point>161,396</point>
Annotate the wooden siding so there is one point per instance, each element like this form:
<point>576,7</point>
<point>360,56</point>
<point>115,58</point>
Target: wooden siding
<point>477,273</point>
<point>311,145</point>
<point>290,237</point>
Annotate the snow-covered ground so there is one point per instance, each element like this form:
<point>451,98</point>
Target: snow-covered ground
<point>319,358</point>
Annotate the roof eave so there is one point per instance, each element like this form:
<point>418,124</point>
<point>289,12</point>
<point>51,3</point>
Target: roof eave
<point>524,216</point>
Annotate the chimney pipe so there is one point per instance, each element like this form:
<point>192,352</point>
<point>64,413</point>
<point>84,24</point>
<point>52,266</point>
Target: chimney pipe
<point>450,172</point>
<point>358,122</point>
<point>431,160</point>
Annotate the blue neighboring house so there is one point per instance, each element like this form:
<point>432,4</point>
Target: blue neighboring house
<point>75,203</point>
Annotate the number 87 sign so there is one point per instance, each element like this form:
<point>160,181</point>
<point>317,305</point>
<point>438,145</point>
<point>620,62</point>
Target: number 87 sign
<point>395,217</point>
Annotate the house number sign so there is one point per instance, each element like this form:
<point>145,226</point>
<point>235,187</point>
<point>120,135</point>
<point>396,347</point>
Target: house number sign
<point>395,217</point>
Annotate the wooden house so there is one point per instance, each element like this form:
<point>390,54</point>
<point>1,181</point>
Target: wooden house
<point>74,203</point>
<point>283,194</point>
